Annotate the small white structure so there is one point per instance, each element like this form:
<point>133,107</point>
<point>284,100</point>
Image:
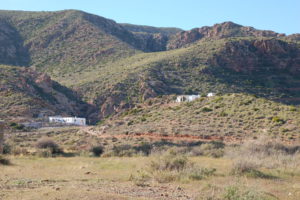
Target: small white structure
<point>187,98</point>
<point>211,94</point>
<point>68,120</point>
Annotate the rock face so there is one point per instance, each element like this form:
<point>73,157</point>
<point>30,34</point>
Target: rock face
<point>27,93</point>
<point>218,31</point>
<point>259,56</point>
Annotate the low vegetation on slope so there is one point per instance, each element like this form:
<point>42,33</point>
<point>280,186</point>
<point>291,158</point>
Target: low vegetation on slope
<point>230,115</point>
<point>26,94</point>
<point>271,71</point>
<point>107,63</point>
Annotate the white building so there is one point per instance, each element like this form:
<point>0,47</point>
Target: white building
<point>187,98</point>
<point>211,94</point>
<point>68,120</point>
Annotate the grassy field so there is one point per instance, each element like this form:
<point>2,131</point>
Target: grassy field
<point>109,178</point>
<point>141,168</point>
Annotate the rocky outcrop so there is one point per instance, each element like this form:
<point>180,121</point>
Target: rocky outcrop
<point>35,93</point>
<point>257,56</point>
<point>218,31</point>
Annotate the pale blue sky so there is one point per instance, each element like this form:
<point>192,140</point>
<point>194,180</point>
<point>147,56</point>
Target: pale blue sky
<point>279,15</point>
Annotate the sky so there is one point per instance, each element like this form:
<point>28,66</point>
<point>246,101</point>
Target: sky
<point>282,16</point>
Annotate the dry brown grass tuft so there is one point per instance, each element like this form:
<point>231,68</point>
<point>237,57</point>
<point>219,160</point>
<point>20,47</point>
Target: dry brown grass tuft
<point>264,153</point>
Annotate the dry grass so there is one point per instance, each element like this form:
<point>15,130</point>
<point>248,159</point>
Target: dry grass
<point>110,177</point>
<point>267,153</point>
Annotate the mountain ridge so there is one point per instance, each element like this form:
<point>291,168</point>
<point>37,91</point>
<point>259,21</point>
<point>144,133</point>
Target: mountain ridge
<point>114,66</point>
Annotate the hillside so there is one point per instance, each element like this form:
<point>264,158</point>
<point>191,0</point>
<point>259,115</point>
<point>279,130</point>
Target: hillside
<point>115,66</point>
<point>266,67</point>
<point>26,95</point>
<point>68,41</point>
<point>228,117</point>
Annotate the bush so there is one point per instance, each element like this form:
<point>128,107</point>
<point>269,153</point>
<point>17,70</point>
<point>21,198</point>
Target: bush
<point>97,150</point>
<point>169,162</point>
<point>223,114</point>
<point>170,167</point>
<point>17,126</point>
<point>126,150</point>
<point>7,149</point>
<point>196,173</point>
<point>4,161</point>
<point>141,178</point>
<point>144,148</point>
<point>238,193</point>
<point>278,120</point>
<point>45,153</point>
<point>212,149</point>
<point>47,143</point>
<point>264,152</point>
<point>243,166</point>
<point>206,109</point>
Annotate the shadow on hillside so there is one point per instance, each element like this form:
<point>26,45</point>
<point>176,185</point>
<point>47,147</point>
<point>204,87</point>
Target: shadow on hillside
<point>278,86</point>
<point>12,49</point>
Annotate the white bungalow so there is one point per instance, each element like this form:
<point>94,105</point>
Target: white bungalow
<point>187,98</point>
<point>68,120</point>
<point>211,94</point>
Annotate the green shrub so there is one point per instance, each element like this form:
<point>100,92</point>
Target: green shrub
<point>97,150</point>
<point>169,162</point>
<point>239,193</point>
<point>243,166</point>
<point>293,108</point>
<point>47,143</point>
<point>124,150</point>
<point>17,126</point>
<point>218,99</point>
<point>4,161</point>
<point>212,149</point>
<point>144,148</point>
<point>45,153</point>
<point>248,168</point>
<point>206,109</point>
<point>170,167</point>
<point>196,173</point>
<point>278,120</point>
<point>130,123</point>
<point>141,178</point>
<point>223,114</point>
<point>7,149</point>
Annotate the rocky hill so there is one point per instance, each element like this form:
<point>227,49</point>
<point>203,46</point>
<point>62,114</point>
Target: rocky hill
<point>26,95</point>
<point>218,31</point>
<point>115,66</point>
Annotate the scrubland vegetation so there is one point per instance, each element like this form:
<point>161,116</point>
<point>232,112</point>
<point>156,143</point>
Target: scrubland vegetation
<point>261,168</point>
<point>242,144</point>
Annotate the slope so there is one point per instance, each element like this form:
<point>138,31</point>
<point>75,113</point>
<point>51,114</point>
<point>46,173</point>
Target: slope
<point>234,116</point>
<point>68,41</point>
<point>26,94</point>
<point>264,67</point>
